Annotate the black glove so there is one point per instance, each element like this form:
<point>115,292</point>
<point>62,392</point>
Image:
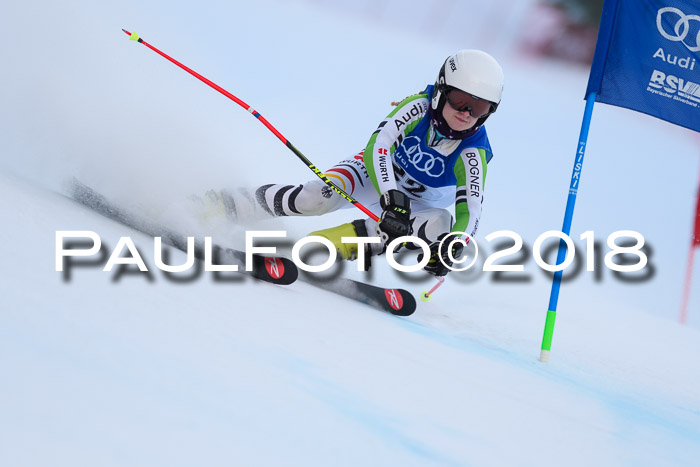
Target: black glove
<point>395,221</point>
<point>440,268</point>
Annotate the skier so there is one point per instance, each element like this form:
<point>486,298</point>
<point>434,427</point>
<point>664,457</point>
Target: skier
<point>431,151</point>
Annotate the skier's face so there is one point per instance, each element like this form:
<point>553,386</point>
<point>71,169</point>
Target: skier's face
<point>458,121</point>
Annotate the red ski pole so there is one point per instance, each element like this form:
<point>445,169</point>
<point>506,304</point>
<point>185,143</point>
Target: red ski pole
<point>256,114</point>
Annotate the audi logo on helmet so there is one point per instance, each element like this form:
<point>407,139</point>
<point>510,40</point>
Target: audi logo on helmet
<point>685,25</point>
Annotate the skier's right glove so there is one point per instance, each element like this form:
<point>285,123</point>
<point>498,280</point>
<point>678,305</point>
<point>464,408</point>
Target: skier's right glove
<point>395,221</point>
<point>440,262</point>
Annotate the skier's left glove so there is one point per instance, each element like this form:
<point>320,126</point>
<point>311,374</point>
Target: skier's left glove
<point>395,221</point>
<point>435,266</point>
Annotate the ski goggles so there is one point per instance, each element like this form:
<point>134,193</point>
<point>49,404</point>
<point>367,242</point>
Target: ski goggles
<point>465,102</point>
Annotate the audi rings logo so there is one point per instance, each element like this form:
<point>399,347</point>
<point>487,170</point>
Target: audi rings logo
<point>424,161</point>
<point>681,29</point>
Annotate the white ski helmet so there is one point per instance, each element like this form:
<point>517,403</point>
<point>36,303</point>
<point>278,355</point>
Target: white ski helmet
<point>474,72</point>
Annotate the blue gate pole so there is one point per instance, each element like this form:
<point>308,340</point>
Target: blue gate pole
<point>566,228</point>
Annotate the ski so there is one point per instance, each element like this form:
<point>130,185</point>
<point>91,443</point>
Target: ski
<point>398,302</point>
<point>276,270</point>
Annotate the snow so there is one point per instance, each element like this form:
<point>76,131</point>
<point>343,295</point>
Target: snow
<point>142,369</point>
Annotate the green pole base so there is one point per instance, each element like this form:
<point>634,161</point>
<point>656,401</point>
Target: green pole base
<point>548,333</point>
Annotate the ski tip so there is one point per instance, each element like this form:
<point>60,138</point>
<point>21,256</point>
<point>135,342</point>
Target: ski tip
<point>280,271</point>
<point>401,302</point>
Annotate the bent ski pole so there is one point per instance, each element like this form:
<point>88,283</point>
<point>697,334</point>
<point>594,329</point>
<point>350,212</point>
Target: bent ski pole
<point>426,296</point>
<point>256,114</point>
